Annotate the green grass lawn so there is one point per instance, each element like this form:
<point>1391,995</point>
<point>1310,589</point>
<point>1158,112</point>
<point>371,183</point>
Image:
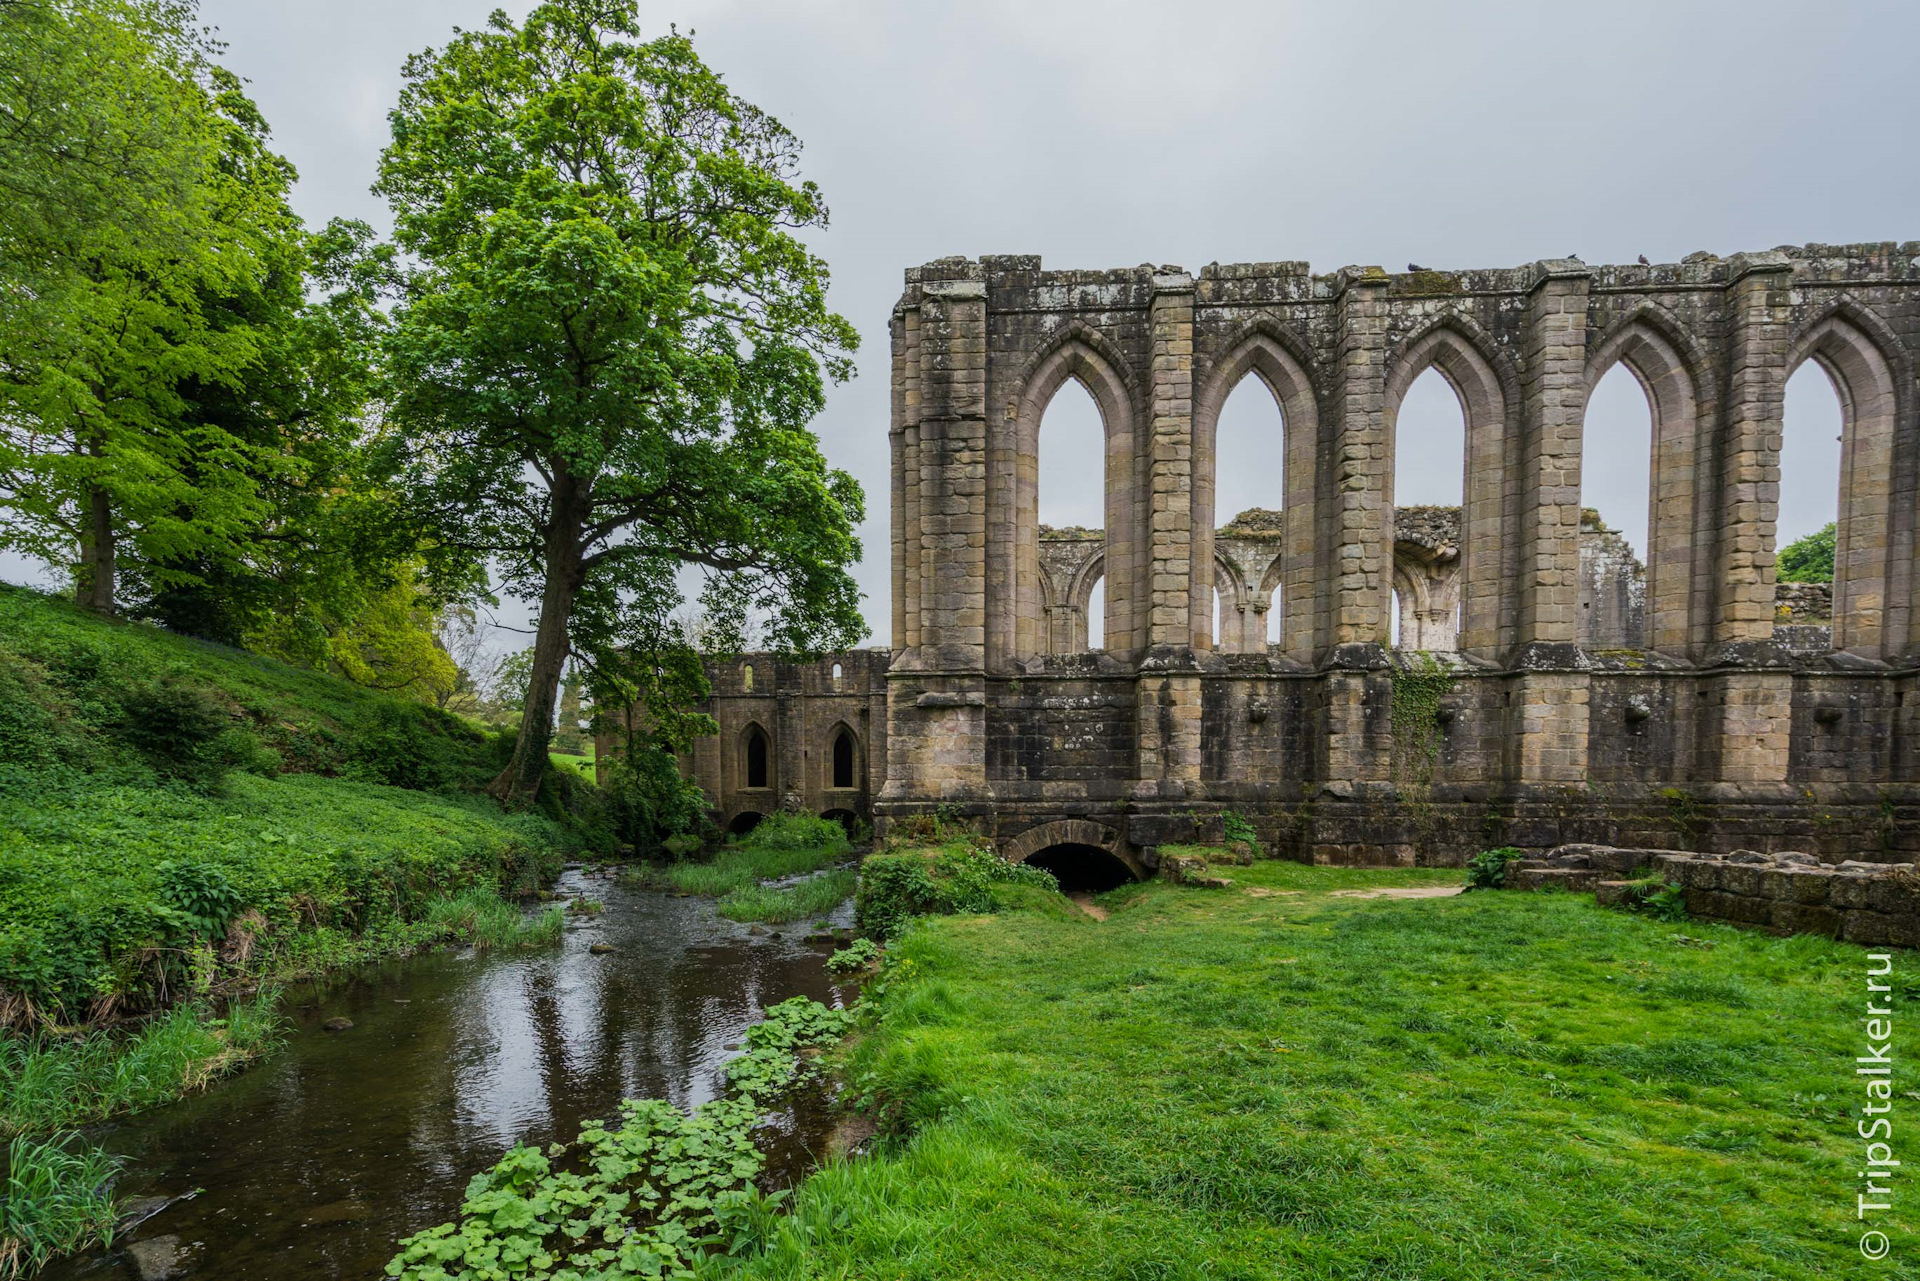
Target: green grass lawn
<point>581,764</point>
<point>1278,1080</point>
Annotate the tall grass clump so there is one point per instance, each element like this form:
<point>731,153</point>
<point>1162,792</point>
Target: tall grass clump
<point>59,1198</point>
<point>483,919</point>
<point>814,896</point>
<point>782,846</point>
<point>52,1083</point>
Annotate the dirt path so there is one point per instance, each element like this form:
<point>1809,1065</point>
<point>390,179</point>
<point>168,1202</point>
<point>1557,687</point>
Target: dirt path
<point>1085,902</point>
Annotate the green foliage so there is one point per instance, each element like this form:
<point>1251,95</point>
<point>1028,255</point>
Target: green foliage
<point>811,897</point>
<point>635,1200</point>
<point>1487,870</point>
<point>131,703</point>
<point>184,365</point>
<point>790,833</point>
<point>1809,559</point>
<point>1420,682</point>
<point>176,726</point>
<point>50,1083</point>
<point>856,955</point>
<point>82,904</point>
<point>109,873</point>
<point>1236,830</point>
<point>59,1198</point>
<point>203,900</point>
<point>481,918</point>
<point>1193,1089</point>
<point>1654,897</point>
<point>649,802</point>
<point>792,845</point>
<point>607,349</point>
<point>956,878</point>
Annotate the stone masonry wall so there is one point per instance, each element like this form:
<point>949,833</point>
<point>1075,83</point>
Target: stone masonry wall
<point>1691,715</point>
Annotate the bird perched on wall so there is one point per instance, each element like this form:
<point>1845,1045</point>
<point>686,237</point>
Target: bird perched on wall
<point>1644,262</point>
<point>1414,266</point>
<point>1573,258</point>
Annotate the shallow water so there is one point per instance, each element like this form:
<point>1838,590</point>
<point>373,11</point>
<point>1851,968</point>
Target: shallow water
<point>317,1162</point>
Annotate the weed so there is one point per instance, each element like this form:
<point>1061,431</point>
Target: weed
<point>1236,830</point>
<point>59,1199</point>
<point>54,1083</point>
<point>1487,870</point>
<point>1653,896</point>
<point>856,955</point>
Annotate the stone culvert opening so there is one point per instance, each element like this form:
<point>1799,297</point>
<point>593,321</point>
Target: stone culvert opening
<point>745,821</point>
<point>1082,868</point>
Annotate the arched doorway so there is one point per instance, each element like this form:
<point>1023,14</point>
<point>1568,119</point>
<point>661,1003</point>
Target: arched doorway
<point>745,821</point>
<point>1082,868</point>
<point>847,819</point>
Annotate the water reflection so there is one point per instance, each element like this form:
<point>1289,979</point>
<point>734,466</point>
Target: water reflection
<point>315,1164</point>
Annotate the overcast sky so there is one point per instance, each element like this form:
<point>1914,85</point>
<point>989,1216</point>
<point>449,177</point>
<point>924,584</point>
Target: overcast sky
<point>1109,133</point>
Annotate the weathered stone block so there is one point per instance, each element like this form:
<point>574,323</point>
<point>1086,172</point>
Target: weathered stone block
<point>1867,927</point>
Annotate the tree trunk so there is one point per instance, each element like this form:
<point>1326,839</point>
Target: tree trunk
<point>94,584</point>
<point>517,783</point>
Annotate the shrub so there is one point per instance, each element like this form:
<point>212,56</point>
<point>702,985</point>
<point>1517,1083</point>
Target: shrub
<point>1809,559</point>
<point>176,727</point>
<point>956,879</point>
<point>1487,870</point>
<point>796,832</point>
<point>649,803</point>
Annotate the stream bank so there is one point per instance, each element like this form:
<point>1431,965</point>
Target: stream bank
<point>317,1162</point>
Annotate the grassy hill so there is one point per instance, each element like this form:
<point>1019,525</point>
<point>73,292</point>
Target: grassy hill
<point>175,814</point>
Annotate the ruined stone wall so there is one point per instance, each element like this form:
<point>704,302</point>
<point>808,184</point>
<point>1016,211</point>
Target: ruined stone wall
<point>1563,703</point>
<point>800,708</point>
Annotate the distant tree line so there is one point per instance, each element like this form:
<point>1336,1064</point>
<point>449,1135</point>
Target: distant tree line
<point>585,362</point>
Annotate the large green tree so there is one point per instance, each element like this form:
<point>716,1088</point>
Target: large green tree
<point>182,365</point>
<point>608,347</point>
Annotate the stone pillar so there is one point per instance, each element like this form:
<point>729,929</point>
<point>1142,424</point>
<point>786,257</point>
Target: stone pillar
<point>1170,442</point>
<point>905,558</point>
<point>792,751</point>
<point>1357,568</point>
<point>1355,580</point>
<point>936,737</point>
<point>1759,312</point>
<point>1548,700</point>
<point>1751,700</point>
<point>1169,687</point>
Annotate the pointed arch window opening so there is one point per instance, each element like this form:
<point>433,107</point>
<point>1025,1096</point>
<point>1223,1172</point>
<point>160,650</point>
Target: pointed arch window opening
<point>756,753</point>
<point>843,760</point>
<point>1813,424</point>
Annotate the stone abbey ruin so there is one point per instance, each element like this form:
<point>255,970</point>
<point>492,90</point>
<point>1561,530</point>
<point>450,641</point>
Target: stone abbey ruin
<point>1546,688</point>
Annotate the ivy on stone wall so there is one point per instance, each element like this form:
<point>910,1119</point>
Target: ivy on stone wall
<point>1420,682</point>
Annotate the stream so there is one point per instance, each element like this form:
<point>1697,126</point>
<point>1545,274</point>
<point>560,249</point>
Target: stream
<point>317,1162</point>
